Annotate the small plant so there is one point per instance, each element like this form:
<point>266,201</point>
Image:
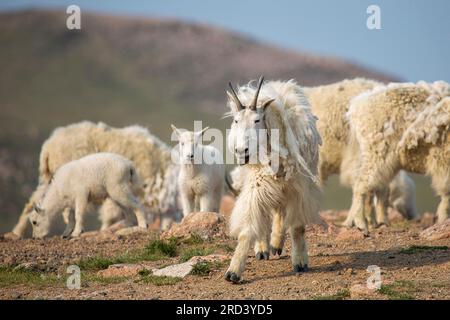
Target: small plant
<point>417,249</point>
<point>399,290</point>
<point>194,239</point>
<point>340,295</point>
<point>162,248</point>
<point>201,269</point>
<point>10,276</point>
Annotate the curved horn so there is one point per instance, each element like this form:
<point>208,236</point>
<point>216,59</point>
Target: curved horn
<point>255,98</point>
<point>235,97</point>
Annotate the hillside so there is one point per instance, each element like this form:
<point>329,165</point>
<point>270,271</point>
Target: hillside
<point>124,71</point>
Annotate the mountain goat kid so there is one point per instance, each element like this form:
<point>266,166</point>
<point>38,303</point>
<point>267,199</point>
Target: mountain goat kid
<point>277,142</point>
<point>201,177</point>
<point>90,179</point>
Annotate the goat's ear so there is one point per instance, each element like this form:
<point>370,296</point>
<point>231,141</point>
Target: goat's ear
<point>37,208</point>
<point>266,104</point>
<point>175,129</point>
<point>232,102</point>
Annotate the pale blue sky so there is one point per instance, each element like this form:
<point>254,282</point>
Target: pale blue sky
<point>414,42</point>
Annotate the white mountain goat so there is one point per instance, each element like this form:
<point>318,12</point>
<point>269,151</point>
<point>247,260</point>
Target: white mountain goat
<point>90,179</point>
<point>149,154</point>
<point>274,136</point>
<point>201,176</point>
<point>401,126</point>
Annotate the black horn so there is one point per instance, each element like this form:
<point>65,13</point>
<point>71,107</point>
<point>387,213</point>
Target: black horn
<point>255,98</point>
<point>235,97</point>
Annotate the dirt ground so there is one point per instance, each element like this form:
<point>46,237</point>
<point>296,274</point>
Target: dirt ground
<point>411,268</point>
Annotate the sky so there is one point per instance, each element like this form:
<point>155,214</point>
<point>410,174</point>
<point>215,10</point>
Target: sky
<point>413,42</point>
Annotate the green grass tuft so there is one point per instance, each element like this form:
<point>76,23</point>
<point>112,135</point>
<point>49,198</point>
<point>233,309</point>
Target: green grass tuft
<point>194,239</point>
<point>10,276</point>
<point>399,290</point>
<point>340,295</point>
<point>162,248</point>
<point>418,249</point>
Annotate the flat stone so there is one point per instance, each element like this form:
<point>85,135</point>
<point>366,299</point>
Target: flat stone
<point>437,231</point>
<point>180,270</point>
<point>352,234</point>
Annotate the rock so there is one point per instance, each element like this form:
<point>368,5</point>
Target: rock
<point>226,206</point>
<point>10,261</point>
<point>10,236</point>
<point>207,225</point>
<point>29,266</point>
<point>437,231</point>
<point>16,295</point>
<point>180,270</point>
<point>358,291</point>
<point>117,226</point>
<point>130,230</point>
<point>122,270</point>
<point>352,234</point>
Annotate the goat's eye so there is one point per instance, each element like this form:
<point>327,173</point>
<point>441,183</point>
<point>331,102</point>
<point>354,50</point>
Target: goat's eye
<point>34,222</point>
<point>235,121</point>
<point>257,120</point>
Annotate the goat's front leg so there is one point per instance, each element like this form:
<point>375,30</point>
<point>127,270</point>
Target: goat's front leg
<point>209,202</point>
<point>299,253</point>
<point>237,264</point>
<point>262,247</point>
<point>443,210</point>
<point>80,212</point>
<point>278,234</point>
<point>187,202</point>
<point>70,216</point>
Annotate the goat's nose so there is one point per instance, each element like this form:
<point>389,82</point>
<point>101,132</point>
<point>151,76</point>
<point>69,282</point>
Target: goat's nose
<point>246,150</point>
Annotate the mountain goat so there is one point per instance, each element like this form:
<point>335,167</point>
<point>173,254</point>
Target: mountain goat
<point>274,136</point>
<point>201,174</point>
<point>150,155</point>
<point>90,179</point>
<point>339,155</point>
<point>401,126</point>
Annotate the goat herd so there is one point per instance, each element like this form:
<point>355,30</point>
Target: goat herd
<point>287,139</point>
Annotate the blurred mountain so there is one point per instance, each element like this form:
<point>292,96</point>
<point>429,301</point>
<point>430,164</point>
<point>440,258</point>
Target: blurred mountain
<point>122,71</point>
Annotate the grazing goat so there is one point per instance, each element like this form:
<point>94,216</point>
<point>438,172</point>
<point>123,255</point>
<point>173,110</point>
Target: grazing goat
<point>90,179</point>
<point>202,171</point>
<point>149,154</point>
<point>277,197</point>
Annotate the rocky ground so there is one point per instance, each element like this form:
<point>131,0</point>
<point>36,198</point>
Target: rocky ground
<point>414,264</point>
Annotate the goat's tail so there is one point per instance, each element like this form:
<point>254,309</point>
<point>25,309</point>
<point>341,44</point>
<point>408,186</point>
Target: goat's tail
<point>229,183</point>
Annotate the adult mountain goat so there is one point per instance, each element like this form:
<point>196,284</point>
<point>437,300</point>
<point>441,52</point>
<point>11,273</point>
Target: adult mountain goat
<point>401,126</point>
<point>274,136</point>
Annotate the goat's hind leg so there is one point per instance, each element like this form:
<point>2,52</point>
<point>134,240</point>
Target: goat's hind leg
<point>299,254</point>
<point>128,201</point>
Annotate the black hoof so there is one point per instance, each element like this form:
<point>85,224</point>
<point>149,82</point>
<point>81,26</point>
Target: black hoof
<point>262,255</point>
<point>232,277</point>
<point>300,268</point>
<point>276,251</point>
